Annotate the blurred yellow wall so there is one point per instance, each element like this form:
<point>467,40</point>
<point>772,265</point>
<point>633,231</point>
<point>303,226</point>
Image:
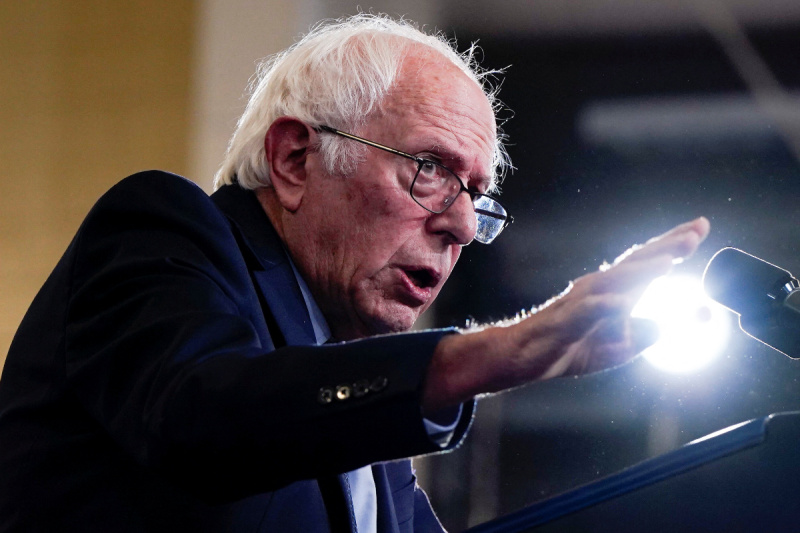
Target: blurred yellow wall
<point>91,91</point>
<point>94,90</point>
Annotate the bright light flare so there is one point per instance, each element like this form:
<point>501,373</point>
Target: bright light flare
<point>694,329</point>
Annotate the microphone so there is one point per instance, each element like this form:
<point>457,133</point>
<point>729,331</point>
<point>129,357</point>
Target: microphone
<point>766,297</point>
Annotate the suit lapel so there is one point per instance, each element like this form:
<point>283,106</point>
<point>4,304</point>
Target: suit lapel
<point>269,265</point>
<point>278,290</point>
<point>290,314</point>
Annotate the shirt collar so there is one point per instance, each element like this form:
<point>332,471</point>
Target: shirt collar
<point>322,332</point>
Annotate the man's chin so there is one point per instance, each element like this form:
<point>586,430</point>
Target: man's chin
<point>396,319</point>
<point>379,316</point>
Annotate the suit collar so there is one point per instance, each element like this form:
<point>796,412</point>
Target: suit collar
<point>268,263</point>
<point>245,212</point>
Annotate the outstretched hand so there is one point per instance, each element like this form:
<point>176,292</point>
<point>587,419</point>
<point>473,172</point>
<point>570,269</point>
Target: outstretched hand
<point>591,321</point>
<point>585,329</point>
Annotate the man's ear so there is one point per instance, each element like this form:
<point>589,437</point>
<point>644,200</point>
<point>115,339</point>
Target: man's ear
<point>287,144</point>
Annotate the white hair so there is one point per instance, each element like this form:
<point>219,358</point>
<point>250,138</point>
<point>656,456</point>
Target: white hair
<point>335,75</point>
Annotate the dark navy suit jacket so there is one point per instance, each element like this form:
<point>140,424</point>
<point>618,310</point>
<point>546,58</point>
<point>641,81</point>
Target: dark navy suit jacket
<point>165,379</point>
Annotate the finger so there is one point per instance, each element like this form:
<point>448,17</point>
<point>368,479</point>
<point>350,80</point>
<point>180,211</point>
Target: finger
<point>701,226</point>
<point>626,277</point>
<point>679,245</point>
<point>680,242</point>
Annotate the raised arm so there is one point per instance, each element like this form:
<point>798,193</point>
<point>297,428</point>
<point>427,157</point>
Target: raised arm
<point>586,328</point>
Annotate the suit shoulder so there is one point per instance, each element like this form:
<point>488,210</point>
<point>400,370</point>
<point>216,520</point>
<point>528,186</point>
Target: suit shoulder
<point>155,192</point>
<point>152,184</point>
<point>152,209</point>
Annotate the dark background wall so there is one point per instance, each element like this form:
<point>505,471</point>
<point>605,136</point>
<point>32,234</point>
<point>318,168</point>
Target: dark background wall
<point>616,138</point>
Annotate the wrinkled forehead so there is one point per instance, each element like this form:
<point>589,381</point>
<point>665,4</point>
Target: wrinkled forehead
<point>444,109</point>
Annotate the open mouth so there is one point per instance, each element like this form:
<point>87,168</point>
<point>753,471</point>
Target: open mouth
<point>422,277</point>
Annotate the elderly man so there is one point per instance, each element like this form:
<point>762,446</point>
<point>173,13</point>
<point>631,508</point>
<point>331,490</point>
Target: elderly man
<point>170,375</point>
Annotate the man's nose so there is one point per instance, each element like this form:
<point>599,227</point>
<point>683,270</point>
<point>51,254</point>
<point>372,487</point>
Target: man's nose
<point>458,221</point>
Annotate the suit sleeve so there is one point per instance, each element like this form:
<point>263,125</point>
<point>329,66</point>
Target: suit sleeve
<point>167,348</point>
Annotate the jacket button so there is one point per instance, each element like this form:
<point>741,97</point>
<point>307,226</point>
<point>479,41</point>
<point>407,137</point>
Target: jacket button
<point>360,388</point>
<point>378,384</point>
<point>342,392</point>
<point>325,395</point>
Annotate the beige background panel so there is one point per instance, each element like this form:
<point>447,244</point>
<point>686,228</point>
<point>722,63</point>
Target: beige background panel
<point>92,91</point>
<point>233,36</point>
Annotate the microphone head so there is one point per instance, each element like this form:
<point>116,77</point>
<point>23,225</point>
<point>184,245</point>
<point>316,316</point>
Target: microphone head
<point>744,283</point>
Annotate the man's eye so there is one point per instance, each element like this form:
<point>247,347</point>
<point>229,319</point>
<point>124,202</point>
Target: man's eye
<point>428,168</point>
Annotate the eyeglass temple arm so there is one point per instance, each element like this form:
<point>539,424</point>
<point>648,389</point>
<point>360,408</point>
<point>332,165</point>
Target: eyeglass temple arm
<point>507,218</point>
<point>367,142</point>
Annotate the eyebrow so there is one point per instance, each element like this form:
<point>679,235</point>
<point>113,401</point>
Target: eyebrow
<point>489,183</point>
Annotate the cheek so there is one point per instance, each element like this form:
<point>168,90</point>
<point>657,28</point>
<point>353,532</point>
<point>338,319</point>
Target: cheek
<point>367,215</point>
<point>381,245</point>
<point>350,217</point>
<point>387,224</point>
<point>384,203</point>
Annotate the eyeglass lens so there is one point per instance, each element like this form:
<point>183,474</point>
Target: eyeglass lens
<point>435,188</point>
<point>489,226</point>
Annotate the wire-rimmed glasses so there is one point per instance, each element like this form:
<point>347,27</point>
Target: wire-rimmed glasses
<point>435,188</point>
